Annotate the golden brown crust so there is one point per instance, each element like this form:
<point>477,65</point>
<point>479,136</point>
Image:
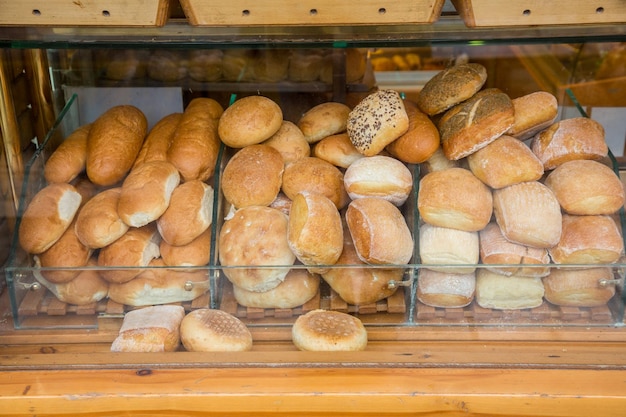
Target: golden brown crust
<point>445,290</point>
<point>324,120</point>
<point>321,330</point>
<point>533,113</point>
<point>419,142</point>
<point>98,223</point>
<point>298,287</point>
<point>314,175</point>
<point>337,149</point>
<point>159,139</point>
<point>195,253</point>
<point>206,330</point>
<point>575,287</point>
<point>150,329</point>
<point>249,120</point>
<point>69,159</point>
<point>290,142</point>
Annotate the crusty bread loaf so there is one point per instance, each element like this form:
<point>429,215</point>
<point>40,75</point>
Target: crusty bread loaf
<point>420,141</point>
<point>208,330</point>
<point>441,248</point>
<point>159,139</point>
<point>315,175</point>
<point>322,330</point>
<point>502,292</point>
<point>47,216</point>
<point>533,113</point>
<point>322,120</point>
<point>250,120</point>
<point>70,158</point>
<point>444,289</point>
<point>150,329</point>
<point>195,253</point>
<point>205,65</point>
<point>376,121</point>
<point>505,161</point>
<point>113,143</point>
<point>579,287</point>
<point>454,198</point>
<point>379,176</point>
<point>98,223</point>
<point>290,142</point>
<point>298,287</point>
<point>337,149</point>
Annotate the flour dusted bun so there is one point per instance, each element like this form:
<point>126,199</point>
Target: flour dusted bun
<point>205,65</point>
<point>250,120</point>
<point>315,175</point>
<point>150,329</point>
<point>189,213</point>
<point>475,123</point>
<point>323,120</point>
<point>239,244</point>
<point>586,187</point>
<point>502,292</point>
<point>322,330</point>
<point>528,213</point>
<point>376,121</point>
<point>379,176</point>
<point>146,192</point>
<point>47,216</point>
<point>253,176</point>
<point>290,142</point>
<point>569,139</point>
<point>69,159</point>
<point>533,113</point>
<point>298,287</point>
<point>454,198</point>
<point>337,149</point>
<point>588,240</point>
<point>98,223</point>
<point>419,142</point>
<point>442,248</point>
<point>159,140</point>
<point>208,330</point>
<point>445,290</point>
<point>67,252</point>
<point>505,161</point>
<point>574,287</point>
<point>195,253</point>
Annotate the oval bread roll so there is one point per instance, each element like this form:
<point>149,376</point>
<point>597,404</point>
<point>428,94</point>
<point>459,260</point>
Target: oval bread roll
<point>207,330</point>
<point>574,287</point>
<point>298,287</point>
<point>98,223</point>
<point>445,290</point>
<point>379,176</point>
<point>502,292</point>
<point>159,140</point>
<point>195,253</point>
<point>322,330</point>
<point>419,142</point>
<point>69,159</point>
<point>337,149</point>
<point>315,175</point>
<point>249,120</point>
<point>322,120</point>
<point>448,247</point>
<point>533,113</point>
<point>290,142</point>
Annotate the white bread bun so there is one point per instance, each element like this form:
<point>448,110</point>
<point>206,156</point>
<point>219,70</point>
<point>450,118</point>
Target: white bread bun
<point>454,198</point>
<point>47,216</point>
<point>250,120</point>
<point>146,192</point>
<point>376,121</point>
<point>322,120</point>
<point>445,290</point>
<point>298,287</point>
<point>533,113</point>
<point>207,330</point>
<point>205,65</point>
<point>337,149</point>
<point>379,176</point>
<point>195,253</point>
<point>420,141</point>
<point>98,223</point>
<point>328,331</point>
<point>159,140</point>
<point>69,159</point>
<point>240,245</point>
<point>189,213</point>
<point>586,187</point>
<point>528,213</point>
<point>290,142</point>
<point>502,292</point>
<point>150,329</point>
<point>574,287</point>
<point>448,247</point>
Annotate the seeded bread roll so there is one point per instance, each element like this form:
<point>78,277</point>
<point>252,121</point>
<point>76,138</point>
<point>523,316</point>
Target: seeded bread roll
<point>69,159</point>
<point>250,120</point>
<point>298,287</point>
<point>150,329</point>
<point>290,142</point>
<point>379,176</point>
<point>321,330</point>
<point>450,87</point>
<point>207,330</point>
<point>502,292</point>
<point>159,139</point>
<point>376,121</point>
<point>315,175</point>
<point>445,290</point>
<point>533,113</point>
<point>98,223</point>
<point>195,253</point>
<point>574,287</point>
<point>419,142</point>
<point>441,246</point>
<point>338,150</point>
<point>324,120</point>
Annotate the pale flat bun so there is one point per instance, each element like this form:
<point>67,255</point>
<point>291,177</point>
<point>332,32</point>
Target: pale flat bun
<point>159,140</point>
<point>322,120</point>
<point>290,142</point>
<point>249,120</point>
<point>299,287</point>
<point>419,142</point>
<point>454,198</point>
<point>445,290</point>
<point>207,330</point>
<point>337,149</point>
<point>315,175</point>
<point>325,331</point>
<point>67,252</point>
<point>239,245</point>
<point>442,248</point>
<point>98,223</point>
<point>573,287</point>
<point>150,329</point>
<point>69,159</point>
<point>533,113</point>
<point>195,253</point>
<point>379,176</point>
<point>205,65</point>
<point>502,292</point>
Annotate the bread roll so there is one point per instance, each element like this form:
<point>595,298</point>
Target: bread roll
<point>47,216</point>
<point>573,287</point>
<point>569,139</point>
<point>195,253</point>
<point>586,187</point>
<point>533,113</point>
<point>379,232</point>
<point>113,144</point>
<point>419,142</point>
<point>445,290</point>
<point>379,176</point>
<point>86,189</point>
<point>167,65</point>
<point>189,214</point>
<point>337,149</point>
<point>305,65</point>
<point>454,198</point>
<point>322,120</point>
<point>124,64</point>
<point>195,144</point>
<point>255,236</point>
<point>528,213</point>
<point>98,223</point>
<point>159,139</point>
<point>441,248</point>
<point>376,121</point>
<point>588,240</point>
<point>146,192</point>
<point>207,330</point>
<point>505,161</point>
<point>298,287</point>
<point>290,142</point>
<point>253,176</point>
<point>328,331</point>
<point>237,64</point>
<point>271,65</point>
<point>475,123</point>
<point>282,203</point>
<point>205,65</point>
<point>438,162</point>
<point>315,175</point>
<point>450,87</point>
<point>69,159</point>
<point>503,292</point>
<point>249,120</point>
<point>150,329</point>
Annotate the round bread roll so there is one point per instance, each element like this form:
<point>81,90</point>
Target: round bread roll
<point>449,247</point>
<point>533,113</point>
<point>586,187</point>
<point>450,87</point>
<point>69,159</point>
<point>337,149</point>
<point>270,65</point>
<point>569,139</point>
<point>528,213</point>
<point>305,65</point>
<point>512,292</point>
<point>249,120</point>
<point>240,245</point>
<point>195,253</point>
<point>146,192</point>
<point>588,240</point>
<point>438,162</point>
<point>205,65</point>
<point>419,142</point>
<point>315,233</point>
<point>299,287</point>
<point>290,142</point>
<point>445,290</point>
<point>475,123</point>
<point>376,121</point>
<point>113,143</point>
<point>207,330</point>
<point>379,176</point>
<point>315,175</point>
<point>98,223</point>
<point>573,287</point>
<point>47,216</point>
<point>237,64</point>
<point>328,331</point>
<point>454,198</point>
<point>189,214</point>
<point>505,161</point>
<point>167,65</point>
<point>253,176</point>
<point>159,140</point>
<point>323,120</point>
<point>124,64</point>
<point>379,232</point>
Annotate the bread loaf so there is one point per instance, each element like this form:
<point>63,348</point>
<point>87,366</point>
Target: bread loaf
<point>250,120</point>
<point>419,142</point>
<point>445,290</point>
<point>69,159</point>
<point>502,292</point>
<point>290,142</point>
<point>533,113</point>
<point>337,149</point>
<point>298,287</point>
<point>150,329</point>
<point>442,248</point>
<point>379,176</point>
<point>315,175</point>
<point>208,330</point>
<point>159,140</point>
<point>574,287</point>
<point>98,223</point>
<point>322,120</point>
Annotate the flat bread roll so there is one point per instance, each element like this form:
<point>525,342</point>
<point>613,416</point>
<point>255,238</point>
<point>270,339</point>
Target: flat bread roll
<point>249,120</point>
<point>338,150</point>
<point>208,330</point>
<point>379,176</point>
<point>533,113</point>
<point>445,290</point>
<point>298,287</point>
<point>98,224</point>
<point>315,175</point>
<point>502,292</point>
<point>574,287</point>
<point>322,120</point>
<point>442,248</point>
<point>150,329</point>
<point>419,142</point>
<point>290,142</point>
<point>69,159</point>
<point>328,331</point>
